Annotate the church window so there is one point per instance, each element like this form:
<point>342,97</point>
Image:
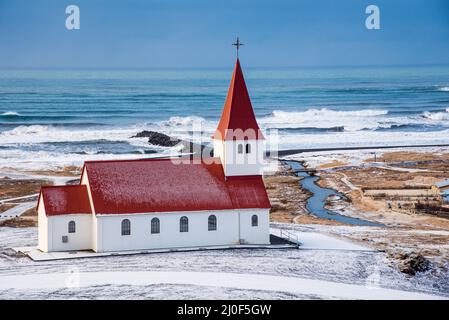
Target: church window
<point>240,148</point>
<point>248,148</point>
<point>254,221</point>
<point>72,227</point>
<point>212,223</point>
<point>126,227</point>
<point>184,224</point>
<point>155,225</point>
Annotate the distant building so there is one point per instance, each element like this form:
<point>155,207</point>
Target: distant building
<point>442,188</point>
<point>442,185</point>
<point>159,203</point>
<point>445,195</point>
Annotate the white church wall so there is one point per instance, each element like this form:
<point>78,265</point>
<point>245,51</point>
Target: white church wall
<point>42,222</point>
<point>259,234</point>
<point>243,164</point>
<point>110,237</point>
<point>96,234</point>
<point>80,240</point>
<point>85,181</point>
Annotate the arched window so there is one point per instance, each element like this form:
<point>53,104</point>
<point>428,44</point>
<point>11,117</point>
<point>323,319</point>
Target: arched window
<point>240,148</point>
<point>155,225</point>
<point>212,223</point>
<point>184,224</point>
<point>248,148</point>
<point>72,227</point>
<point>126,227</point>
<point>254,221</point>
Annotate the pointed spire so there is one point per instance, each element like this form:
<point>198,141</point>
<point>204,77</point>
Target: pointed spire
<point>238,121</point>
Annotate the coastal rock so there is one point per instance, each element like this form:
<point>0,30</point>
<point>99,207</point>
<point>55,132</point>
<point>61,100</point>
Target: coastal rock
<point>157,138</point>
<point>12,254</point>
<point>412,263</point>
<point>73,182</point>
<point>163,140</point>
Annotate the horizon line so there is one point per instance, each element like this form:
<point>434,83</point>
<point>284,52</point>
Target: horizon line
<point>127,68</point>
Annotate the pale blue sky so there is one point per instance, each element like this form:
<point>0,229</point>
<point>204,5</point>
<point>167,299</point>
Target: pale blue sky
<point>198,33</point>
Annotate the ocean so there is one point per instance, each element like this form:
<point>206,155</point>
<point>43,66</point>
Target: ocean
<point>49,117</point>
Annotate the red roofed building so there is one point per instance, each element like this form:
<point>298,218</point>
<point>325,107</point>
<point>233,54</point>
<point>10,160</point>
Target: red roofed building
<point>167,203</point>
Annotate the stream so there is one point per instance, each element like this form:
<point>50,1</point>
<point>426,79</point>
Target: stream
<point>316,203</point>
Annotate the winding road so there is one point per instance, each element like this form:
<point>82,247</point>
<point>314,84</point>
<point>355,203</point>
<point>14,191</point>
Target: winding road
<point>17,210</point>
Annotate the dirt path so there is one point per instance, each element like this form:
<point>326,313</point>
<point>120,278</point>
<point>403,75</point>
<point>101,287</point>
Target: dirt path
<point>17,210</point>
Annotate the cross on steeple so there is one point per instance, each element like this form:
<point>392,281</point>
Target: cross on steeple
<point>237,45</point>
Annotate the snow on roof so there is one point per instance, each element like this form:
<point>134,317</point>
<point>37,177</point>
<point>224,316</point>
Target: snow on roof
<point>59,200</point>
<point>238,120</point>
<point>161,185</point>
<point>443,183</point>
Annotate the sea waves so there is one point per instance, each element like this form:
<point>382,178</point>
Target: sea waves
<point>42,145</point>
<point>311,121</point>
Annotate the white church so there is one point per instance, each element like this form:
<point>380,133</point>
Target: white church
<point>163,203</point>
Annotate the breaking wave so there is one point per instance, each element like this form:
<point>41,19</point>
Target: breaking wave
<point>313,130</point>
<point>324,112</point>
<point>325,119</point>
<point>436,116</point>
<point>46,133</point>
<point>183,121</point>
<point>445,89</point>
<point>181,127</point>
<point>10,114</point>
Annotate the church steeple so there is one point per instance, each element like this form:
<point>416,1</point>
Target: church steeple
<point>238,141</point>
<point>238,114</point>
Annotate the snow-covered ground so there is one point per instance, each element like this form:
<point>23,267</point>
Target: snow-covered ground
<point>354,157</point>
<point>316,241</point>
<point>256,282</point>
<point>342,271</point>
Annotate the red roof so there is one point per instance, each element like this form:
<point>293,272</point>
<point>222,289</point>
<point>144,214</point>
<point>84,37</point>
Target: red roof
<point>59,200</point>
<point>160,185</point>
<point>247,191</point>
<point>238,113</point>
